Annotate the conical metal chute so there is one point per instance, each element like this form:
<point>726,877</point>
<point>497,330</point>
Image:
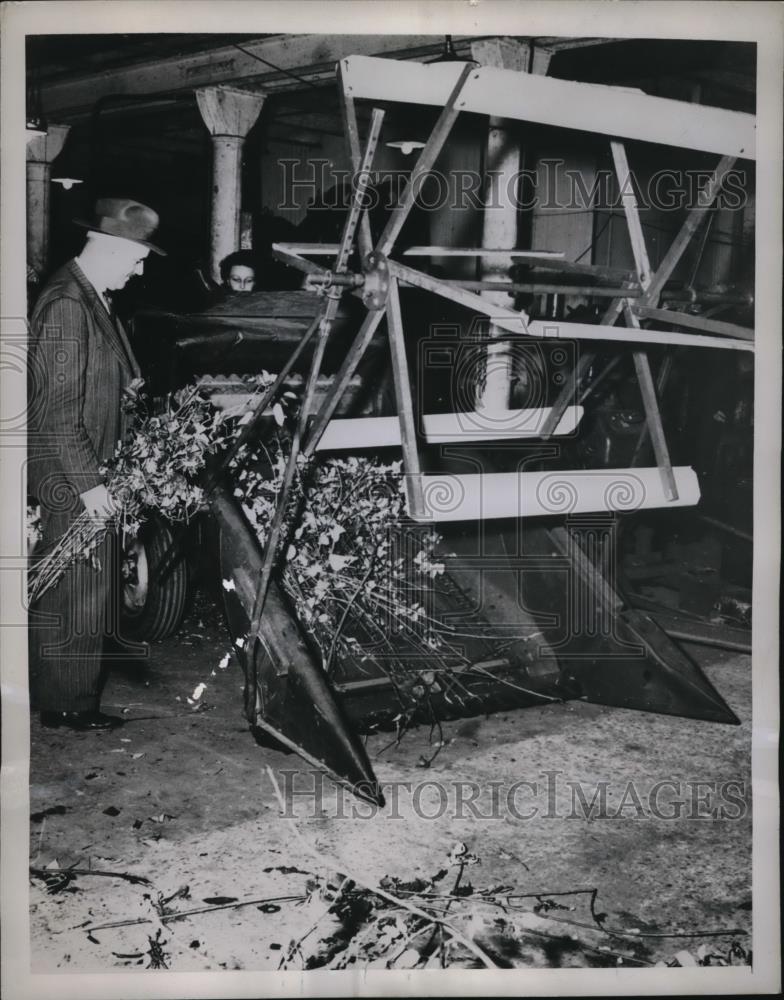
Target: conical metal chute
<point>607,653</point>
<point>287,693</point>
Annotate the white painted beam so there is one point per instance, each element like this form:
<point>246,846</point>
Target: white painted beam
<point>445,428</point>
<point>351,433</point>
<point>586,107</point>
<point>489,496</point>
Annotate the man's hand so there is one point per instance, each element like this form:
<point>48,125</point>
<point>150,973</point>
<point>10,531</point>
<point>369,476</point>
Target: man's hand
<point>98,502</point>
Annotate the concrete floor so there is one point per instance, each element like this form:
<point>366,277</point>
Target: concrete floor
<point>184,798</point>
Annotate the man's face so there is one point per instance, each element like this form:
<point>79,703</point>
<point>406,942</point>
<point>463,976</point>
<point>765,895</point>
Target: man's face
<point>123,260</point>
<point>241,278</point>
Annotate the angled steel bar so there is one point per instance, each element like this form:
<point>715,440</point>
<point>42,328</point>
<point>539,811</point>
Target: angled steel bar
<point>424,164</point>
<point>630,209</point>
<point>551,260</point>
<point>361,179</point>
<point>351,130</point>
<point>589,270</point>
<point>642,365</point>
<point>564,398</point>
<point>312,249</point>
<point>694,322</point>
<point>695,217</point>
<point>610,367</point>
<point>508,319</point>
<point>627,335</point>
<point>642,267</point>
<point>654,422</point>
<point>282,252</point>
<point>342,379</point>
<point>653,417</point>
<point>405,403</point>
<point>518,322</point>
<point>276,526</point>
<point>598,291</point>
<point>267,397</point>
<point>661,383</point>
<point>325,326</point>
<point>553,256</point>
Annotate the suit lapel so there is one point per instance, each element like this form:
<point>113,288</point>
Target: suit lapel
<point>113,331</point>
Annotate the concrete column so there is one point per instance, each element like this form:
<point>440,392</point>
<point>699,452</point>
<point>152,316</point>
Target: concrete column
<point>229,115</point>
<point>41,152</point>
<point>499,229</point>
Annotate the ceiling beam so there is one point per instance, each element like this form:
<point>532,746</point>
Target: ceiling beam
<point>310,56</point>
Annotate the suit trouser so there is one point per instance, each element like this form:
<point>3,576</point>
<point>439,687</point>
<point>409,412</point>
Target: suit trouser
<point>67,626</point>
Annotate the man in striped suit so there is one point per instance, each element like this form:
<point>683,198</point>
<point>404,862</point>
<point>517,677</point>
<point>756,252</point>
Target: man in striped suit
<point>80,363</point>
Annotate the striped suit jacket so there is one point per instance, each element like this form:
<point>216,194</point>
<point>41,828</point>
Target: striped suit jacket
<point>79,363</point>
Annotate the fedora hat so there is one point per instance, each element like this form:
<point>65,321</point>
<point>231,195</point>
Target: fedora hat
<point>130,220</point>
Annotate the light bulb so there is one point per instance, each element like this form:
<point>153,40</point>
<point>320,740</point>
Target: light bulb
<point>406,146</point>
<point>67,182</point>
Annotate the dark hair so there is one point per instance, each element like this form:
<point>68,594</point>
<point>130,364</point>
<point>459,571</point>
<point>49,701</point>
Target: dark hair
<point>240,258</point>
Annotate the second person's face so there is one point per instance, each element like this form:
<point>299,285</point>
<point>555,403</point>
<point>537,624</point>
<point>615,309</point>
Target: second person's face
<point>241,278</point>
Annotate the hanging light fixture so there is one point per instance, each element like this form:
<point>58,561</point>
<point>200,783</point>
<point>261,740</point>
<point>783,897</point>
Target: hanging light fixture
<point>65,171</point>
<point>406,146</point>
<point>449,54</point>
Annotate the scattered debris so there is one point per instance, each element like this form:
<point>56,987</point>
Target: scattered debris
<point>55,880</point>
<point>157,955</point>
<point>38,817</point>
<point>162,902</point>
<point>198,691</point>
<point>45,873</point>
<point>185,914</point>
<point>428,923</point>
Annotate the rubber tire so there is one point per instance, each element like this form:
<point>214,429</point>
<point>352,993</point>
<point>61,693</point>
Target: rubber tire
<point>159,607</point>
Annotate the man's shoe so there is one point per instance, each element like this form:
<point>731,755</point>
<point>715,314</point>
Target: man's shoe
<point>83,722</point>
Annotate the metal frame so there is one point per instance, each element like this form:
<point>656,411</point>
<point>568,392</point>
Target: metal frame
<point>612,111</point>
<point>284,683</point>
